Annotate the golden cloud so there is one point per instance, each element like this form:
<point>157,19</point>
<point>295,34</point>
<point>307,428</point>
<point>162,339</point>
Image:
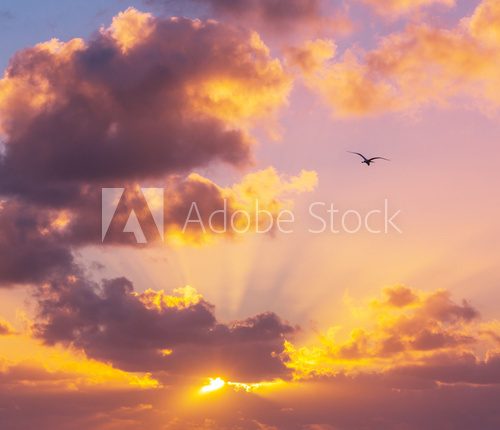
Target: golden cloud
<point>130,27</point>
<point>404,327</point>
<point>311,55</point>
<point>271,191</point>
<point>6,328</point>
<point>181,299</point>
<point>240,99</point>
<point>153,96</point>
<point>423,65</point>
<point>53,368</point>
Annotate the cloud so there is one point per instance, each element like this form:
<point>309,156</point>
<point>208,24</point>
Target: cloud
<point>311,55</point>
<point>143,98</point>
<point>146,100</point>
<point>197,210</point>
<point>29,252</point>
<point>6,329</point>
<point>463,368</point>
<point>39,237</point>
<point>339,403</point>
<point>265,191</point>
<point>403,7</point>
<point>177,334</point>
<point>275,11</point>
<point>279,16</point>
<point>421,66</point>
<point>456,385</point>
<point>56,369</point>
<point>400,296</point>
<point>77,410</point>
<point>484,23</point>
<point>409,327</point>
<point>82,375</point>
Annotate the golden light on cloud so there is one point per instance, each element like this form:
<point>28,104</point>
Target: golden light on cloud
<point>65,369</point>
<point>130,27</point>
<point>37,92</point>
<point>251,387</point>
<point>166,352</point>
<point>284,329</point>
<point>240,99</point>
<point>182,298</point>
<point>218,383</point>
<point>213,385</point>
<point>61,221</point>
<point>407,70</point>
<point>405,326</point>
<point>400,7</point>
<point>238,205</point>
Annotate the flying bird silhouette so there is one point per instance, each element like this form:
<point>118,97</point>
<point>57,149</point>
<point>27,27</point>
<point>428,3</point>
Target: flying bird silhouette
<point>368,161</point>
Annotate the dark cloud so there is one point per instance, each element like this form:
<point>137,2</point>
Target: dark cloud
<point>370,403</point>
<point>39,240</point>
<point>29,253</point>
<point>450,388</point>
<point>145,98</point>
<point>297,17</point>
<point>440,306</point>
<point>400,296</point>
<point>276,11</point>
<point>455,368</point>
<point>364,402</point>
<point>426,339</point>
<point>22,408</point>
<point>111,322</point>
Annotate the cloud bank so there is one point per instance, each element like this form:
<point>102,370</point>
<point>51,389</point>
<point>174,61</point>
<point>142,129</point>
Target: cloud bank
<point>424,65</point>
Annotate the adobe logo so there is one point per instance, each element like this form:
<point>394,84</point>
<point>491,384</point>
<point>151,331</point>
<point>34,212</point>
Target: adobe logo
<point>153,200</point>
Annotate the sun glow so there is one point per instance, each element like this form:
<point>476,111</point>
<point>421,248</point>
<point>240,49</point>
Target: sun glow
<point>214,385</point>
<point>238,386</point>
<point>218,383</point>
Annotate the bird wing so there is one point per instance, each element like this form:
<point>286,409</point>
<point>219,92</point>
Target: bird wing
<point>379,158</point>
<point>361,155</point>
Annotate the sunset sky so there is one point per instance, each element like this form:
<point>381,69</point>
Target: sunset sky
<point>233,102</point>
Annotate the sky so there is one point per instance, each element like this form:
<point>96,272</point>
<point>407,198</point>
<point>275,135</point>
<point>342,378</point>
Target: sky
<point>392,324</point>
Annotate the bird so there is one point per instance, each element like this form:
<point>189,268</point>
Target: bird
<point>368,161</point>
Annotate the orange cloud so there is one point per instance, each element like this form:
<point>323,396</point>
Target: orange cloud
<point>406,380</point>
<point>406,327</point>
<point>54,233</point>
<point>401,7</point>
<point>181,299</point>
<point>243,97</point>
<point>174,335</point>
<point>6,328</point>
<point>130,28</point>
<point>421,66</point>
<point>146,97</point>
<point>311,55</point>
<point>484,23</point>
<point>271,191</point>
<point>52,368</point>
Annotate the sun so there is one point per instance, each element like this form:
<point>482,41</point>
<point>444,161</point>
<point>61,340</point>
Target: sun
<point>214,385</point>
